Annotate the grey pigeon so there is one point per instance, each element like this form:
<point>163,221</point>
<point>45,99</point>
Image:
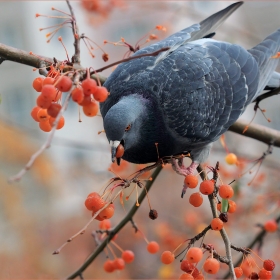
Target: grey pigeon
<point>184,98</point>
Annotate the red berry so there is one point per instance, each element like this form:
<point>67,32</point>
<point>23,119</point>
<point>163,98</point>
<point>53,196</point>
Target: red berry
<point>199,277</point>
<point>153,247</point>
<point>89,86</point>
<point>217,224</point>
<point>194,255</point>
<point>105,224</point>
<point>188,267</point>
<point>38,83</point>
<point>48,81</point>
<point>64,84</point>
<point>186,276</point>
<point>91,109</point>
<point>191,181</point>
<point>271,226</point>
<point>211,266</point>
<point>60,122</point>
<point>42,115</point>
<point>43,102</point>
<point>108,212</point>
<point>109,266</point>
<point>226,191</point>
<point>101,94</point>
<point>238,271</point>
<point>49,92</point>
<point>268,265</point>
<point>206,187</point>
<point>54,109</point>
<point>119,264</point>
<point>264,274</point>
<point>77,95</point>
<point>128,256</point>
<point>34,113</point>
<point>196,199</point>
<point>45,126</point>
<point>94,202</point>
<point>167,257</point>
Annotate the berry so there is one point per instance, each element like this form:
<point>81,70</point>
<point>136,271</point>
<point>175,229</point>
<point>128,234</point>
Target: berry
<point>186,276</point>
<point>38,83</point>
<point>48,92</point>
<point>54,109</point>
<point>268,265</point>
<point>128,256</point>
<point>153,247</point>
<point>224,217</point>
<point>167,257</point>
<point>89,86</point>
<point>226,191</point>
<point>120,151</point>
<point>217,224</point>
<point>64,84</point>
<point>94,202</point>
<point>105,224</point>
<point>86,101</point>
<point>109,266</point>
<point>188,267</point>
<point>48,81</point>
<point>108,212</point>
<point>77,95</point>
<point>231,206</point>
<point>254,275</point>
<point>42,115</point>
<point>42,102</point>
<point>271,226</point>
<point>238,271</point>
<point>58,96</point>
<point>231,159</point>
<point>119,264</point>
<point>199,277</point>
<point>196,199</point>
<point>34,113</point>
<point>60,122</point>
<point>194,255</point>
<point>211,266</point>
<point>91,109</point>
<point>153,214</point>
<point>45,126</point>
<point>101,94</point>
<point>264,274</point>
<point>206,187</point>
<point>191,181</point>
<point>219,206</point>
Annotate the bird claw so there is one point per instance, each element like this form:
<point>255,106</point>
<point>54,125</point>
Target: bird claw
<point>180,169</point>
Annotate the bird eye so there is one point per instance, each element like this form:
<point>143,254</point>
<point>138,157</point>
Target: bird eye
<point>128,127</point>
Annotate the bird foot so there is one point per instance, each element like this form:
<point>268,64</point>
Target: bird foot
<point>180,169</point>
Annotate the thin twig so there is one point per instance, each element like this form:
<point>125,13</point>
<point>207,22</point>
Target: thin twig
<point>114,231</point>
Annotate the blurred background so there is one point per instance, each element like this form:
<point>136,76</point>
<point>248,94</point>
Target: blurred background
<point>46,207</point>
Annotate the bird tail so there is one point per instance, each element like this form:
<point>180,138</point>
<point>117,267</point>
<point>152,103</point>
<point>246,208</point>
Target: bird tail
<point>266,56</point>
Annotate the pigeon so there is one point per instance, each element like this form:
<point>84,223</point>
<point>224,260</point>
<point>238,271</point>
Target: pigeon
<point>185,97</point>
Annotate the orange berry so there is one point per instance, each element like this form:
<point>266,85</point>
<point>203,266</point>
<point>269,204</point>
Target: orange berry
<point>194,255</point>
<point>64,84</point>
<point>231,158</point>
<point>34,113</point>
<point>101,94</point>
<point>196,199</point>
<point>94,202</point>
<point>271,226</point>
<point>120,151</point>
<point>77,95</point>
<point>219,206</point>
<point>128,256</point>
<point>211,266</point>
<point>49,92</point>
<point>60,122</point>
<point>58,96</point>
<point>54,109</point>
<point>186,276</point>
<point>42,115</point>
<point>43,102</point>
<point>119,264</point>
<point>91,109</point>
<point>45,126</point>
<point>231,206</point>
<point>217,224</point>
<point>268,265</point>
<point>199,277</point>
<point>226,191</point>
<point>191,181</point>
<point>105,224</point>
<point>264,274</point>
<point>87,100</point>
<point>207,187</point>
<point>48,81</point>
<point>109,266</point>
<point>38,83</point>
<point>153,247</point>
<point>108,212</point>
<point>89,86</point>
<point>238,271</point>
<point>167,257</point>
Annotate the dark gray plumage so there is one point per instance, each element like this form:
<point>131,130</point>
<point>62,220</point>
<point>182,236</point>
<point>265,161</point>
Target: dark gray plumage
<point>185,97</point>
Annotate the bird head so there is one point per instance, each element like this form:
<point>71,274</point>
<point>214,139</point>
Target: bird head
<point>123,122</point>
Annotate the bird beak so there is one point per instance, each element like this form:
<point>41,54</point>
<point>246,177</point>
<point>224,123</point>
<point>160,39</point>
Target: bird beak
<point>114,145</point>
